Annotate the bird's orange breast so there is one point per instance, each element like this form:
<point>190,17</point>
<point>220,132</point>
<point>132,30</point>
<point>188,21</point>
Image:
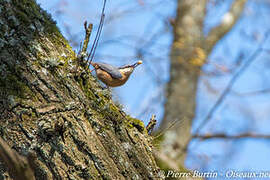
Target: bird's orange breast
<point>107,79</point>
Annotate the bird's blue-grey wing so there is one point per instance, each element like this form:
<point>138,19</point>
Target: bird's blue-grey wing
<point>113,71</point>
<point>124,66</point>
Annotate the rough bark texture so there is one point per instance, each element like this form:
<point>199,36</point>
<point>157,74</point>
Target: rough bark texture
<point>189,52</point>
<point>65,119</point>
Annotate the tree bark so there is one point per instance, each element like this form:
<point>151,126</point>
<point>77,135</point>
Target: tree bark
<point>65,119</point>
<point>189,53</point>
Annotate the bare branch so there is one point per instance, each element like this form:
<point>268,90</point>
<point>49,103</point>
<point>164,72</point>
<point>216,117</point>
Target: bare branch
<point>231,83</point>
<point>228,21</point>
<point>225,136</point>
<point>253,93</point>
<point>18,166</point>
<point>183,148</point>
<point>88,30</point>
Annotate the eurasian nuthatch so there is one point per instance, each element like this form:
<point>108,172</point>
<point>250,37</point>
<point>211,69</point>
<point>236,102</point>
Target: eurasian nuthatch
<point>114,76</point>
<point>108,74</point>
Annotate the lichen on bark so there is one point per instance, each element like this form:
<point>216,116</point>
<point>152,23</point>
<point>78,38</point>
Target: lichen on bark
<point>67,120</point>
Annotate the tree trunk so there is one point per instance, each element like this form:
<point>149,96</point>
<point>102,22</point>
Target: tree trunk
<point>189,52</point>
<point>65,119</point>
<point>187,56</point>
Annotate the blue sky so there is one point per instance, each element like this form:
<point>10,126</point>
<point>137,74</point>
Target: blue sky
<point>124,35</point>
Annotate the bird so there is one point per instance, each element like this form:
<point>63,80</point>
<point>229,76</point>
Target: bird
<point>113,76</point>
<point>110,75</point>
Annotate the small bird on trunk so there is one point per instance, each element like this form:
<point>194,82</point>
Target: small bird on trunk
<point>110,75</point>
<point>114,76</point>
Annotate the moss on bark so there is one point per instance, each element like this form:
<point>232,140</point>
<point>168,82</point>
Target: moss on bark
<point>42,99</point>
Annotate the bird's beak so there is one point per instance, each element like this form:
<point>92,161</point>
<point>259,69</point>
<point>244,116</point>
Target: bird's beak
<point>137,63</point>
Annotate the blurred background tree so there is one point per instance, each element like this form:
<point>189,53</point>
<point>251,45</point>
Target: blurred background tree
<point>205,73</point>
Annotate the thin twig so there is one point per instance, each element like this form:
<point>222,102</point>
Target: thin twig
<point>231,83</point>
<point>98,37</point>
<point>253,93</point>
<point>225,136</point>
<point>88,31</point>
<point>169,127</point>
<point>226,91</point>
<point>95,43</point>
